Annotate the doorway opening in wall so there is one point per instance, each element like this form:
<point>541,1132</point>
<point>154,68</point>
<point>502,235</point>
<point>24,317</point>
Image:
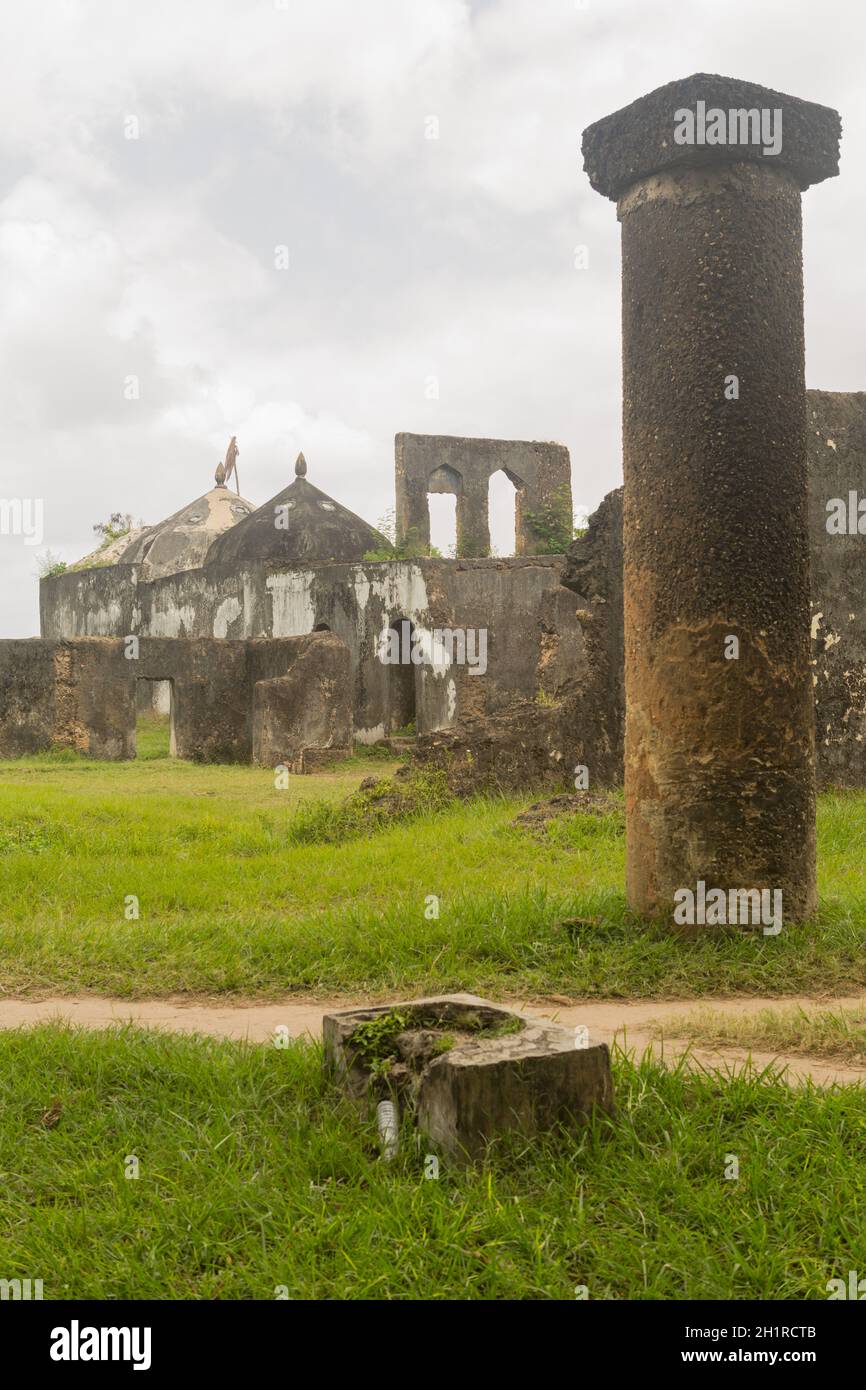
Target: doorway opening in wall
<point>321,627</point>
<point>502,514</point>
<point>154,719</point>
<point>443,522</point>
<point>401,680</point>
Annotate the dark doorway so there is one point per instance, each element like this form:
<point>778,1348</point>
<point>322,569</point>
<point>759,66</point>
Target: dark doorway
<point>401,677</point>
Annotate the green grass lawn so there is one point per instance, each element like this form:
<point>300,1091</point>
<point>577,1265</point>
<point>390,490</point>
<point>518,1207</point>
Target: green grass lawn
<point>152,736</point>
<point>253,1175</point>
<point>246,889</point>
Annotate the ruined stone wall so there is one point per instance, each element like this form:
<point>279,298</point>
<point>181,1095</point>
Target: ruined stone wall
<point>438,463</point>
<point>836,442</point>
<point>27,697</point>
<point>82,693</point>
<point>306,713</point>
<point>555,627</point>
<point>836,456</point>
<point>534,639</point>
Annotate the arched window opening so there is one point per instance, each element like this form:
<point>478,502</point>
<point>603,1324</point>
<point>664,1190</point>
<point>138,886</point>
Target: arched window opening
<point>502,512</point>
<point>443,523</point>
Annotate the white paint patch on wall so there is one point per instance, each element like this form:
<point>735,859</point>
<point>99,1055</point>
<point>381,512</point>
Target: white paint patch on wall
<point>229,609</point>
<point>251,609</point>
<point>291,592</point>
<point>172,622</point>
<point>103,622</point>
<point>361,586</point>
<point>401,589</point>
<point>372,735</point>
<point>402,592</point>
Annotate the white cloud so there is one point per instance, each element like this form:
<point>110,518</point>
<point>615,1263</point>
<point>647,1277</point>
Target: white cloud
<point>409,257</point>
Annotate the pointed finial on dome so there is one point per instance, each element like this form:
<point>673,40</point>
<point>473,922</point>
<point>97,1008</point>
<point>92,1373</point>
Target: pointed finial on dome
<point>220,474</point>
<point>300,466</point>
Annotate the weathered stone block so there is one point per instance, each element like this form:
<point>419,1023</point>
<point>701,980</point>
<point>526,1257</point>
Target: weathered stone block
<point>503,1072</point>
<point>304,718</point>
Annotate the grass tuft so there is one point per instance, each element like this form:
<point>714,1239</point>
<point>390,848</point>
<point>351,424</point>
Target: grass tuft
<point>828,1033</point>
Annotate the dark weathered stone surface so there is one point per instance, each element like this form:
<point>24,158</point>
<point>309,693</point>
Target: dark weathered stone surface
<point>836,435</point>
<point>719,754</point>
<point>81,693</point>
<point>299,526</point>
<point>594,570</point>
<point>307,713</point>
<point>638,140</point>
<point>526,1082</point>
<point>836,464</point>
<point>27,697</point>
<point>534,636</point>
<point>541,473</point>
<point>524,745</point>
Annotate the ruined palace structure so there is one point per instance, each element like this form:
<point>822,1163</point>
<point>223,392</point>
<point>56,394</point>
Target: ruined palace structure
<point>268,623</point>
<point>221,570</point>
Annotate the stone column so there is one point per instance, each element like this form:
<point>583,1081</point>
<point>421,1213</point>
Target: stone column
<point>473,529</point>
<point>719,742</point>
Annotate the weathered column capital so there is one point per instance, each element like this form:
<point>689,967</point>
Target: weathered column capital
<point>710,120</point>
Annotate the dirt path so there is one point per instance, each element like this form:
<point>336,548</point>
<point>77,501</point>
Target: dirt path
<point>630,1023</point>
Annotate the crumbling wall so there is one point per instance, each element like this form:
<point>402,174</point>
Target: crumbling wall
<point>589,725</point>
<point>301,716</point>
<point>836,443</point>
<point>65,695</point>
<point>526,745</point>
<point>27,697</point>
<point>571,734</point>
<point>81,693</point>
<point>424,463</point>
<point>534,640</point>
<point>595,572</point>
<point>554,626</point>
<point>836,456</point>
<point>99,602</point>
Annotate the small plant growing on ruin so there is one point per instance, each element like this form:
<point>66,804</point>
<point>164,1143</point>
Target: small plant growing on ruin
<point>553,524</point>
<point>118,524</point>
<point>408,547</point>
<point>50,564</point>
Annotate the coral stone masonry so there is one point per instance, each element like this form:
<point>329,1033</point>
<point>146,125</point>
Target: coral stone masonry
<point>719,736</point>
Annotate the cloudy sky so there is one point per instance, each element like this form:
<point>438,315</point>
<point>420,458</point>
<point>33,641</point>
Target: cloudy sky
<point>161,162</point>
